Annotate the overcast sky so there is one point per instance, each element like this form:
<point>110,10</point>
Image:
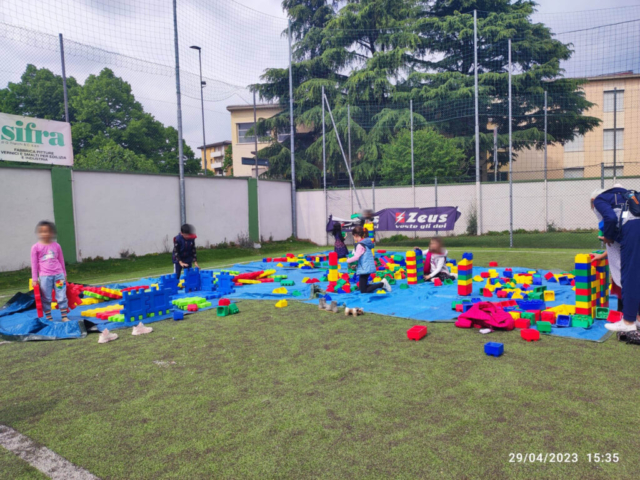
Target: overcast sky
<point>237,42</point>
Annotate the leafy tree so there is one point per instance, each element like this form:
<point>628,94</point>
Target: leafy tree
<point>227,164</point>
<point>434,155</point>
<point>377,55</point>
<point>112,157</point>
<point>39,94</point>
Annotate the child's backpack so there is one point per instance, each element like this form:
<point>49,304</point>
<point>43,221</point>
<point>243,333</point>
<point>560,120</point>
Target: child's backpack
<point>632,204</point>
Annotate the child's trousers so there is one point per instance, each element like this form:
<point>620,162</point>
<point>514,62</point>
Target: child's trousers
<point>57,283</point>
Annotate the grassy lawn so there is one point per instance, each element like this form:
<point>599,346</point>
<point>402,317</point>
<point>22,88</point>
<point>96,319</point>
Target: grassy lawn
<point>104,271</point>
<point>12,467</point>
<point>297,393</point>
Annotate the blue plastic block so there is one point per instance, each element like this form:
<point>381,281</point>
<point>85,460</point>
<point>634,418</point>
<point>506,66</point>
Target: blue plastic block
<point>467,256</point>
<point>466,306</point>
<point>169,282</point>
<point>306,267</point>
<point>192,279</point>
<point>158,301</point>
<point>476,300</point>
<point>452,261</point>
<point>293,264</point>
<point>206,281</point>
<point>327,297</point>
<point>212,295</point>
<point>494,349</point>
<point>564,280</point>
<point>135,306</point>
<point>531,304</point>
<point>225,284</point>
<point>506,274</point>
<point>537,280</point>
<point>552,280</point>
<point>178,315</point>
<point>563,321</point>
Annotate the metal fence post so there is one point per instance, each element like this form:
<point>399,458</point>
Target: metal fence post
<point>510,158</point>
<point>435,181</point>
<point>183,207</point>
<point>349,140</point>
<point>477,121</point>
<point>294,212</point>
<point>64,81</point>
<point>615,137</point>
<point>602,175</point>
<point>255,144</point>
<point>324,165</point>
<point>495,154</point>
<point>373,195</point>
<point>546,185</point>
<point>413,181</point>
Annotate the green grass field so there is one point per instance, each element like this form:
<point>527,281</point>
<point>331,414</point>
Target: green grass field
<point>298,393</point>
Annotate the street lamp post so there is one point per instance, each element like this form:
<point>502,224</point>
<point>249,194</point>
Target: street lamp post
<point>202,85</point>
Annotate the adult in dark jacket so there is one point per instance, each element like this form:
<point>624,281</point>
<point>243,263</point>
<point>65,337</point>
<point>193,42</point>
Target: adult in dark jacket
<point>623,228</point>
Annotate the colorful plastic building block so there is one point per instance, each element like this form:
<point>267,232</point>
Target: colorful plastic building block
<point>494,349</point>
<point>224,283</point>
<point>192,307</point>
<point>224,302</point>
<point>178,315</point>
<point>530,335</point>
<point>169,282</point>
<point>158,302</point>
<point>544,327</point>
<point>563,321</point>
<point>522,323</point>
<point>581,321</point>
<point>493,264</point>
<point>417,332</point>
<point>135,305</point>
<point>529,316</point>
<point>437,282</point>
<point>614,316</point>
<point>548,316</point>
<point>287,283</point>
<point>281,304</point>
<point>233,309</point>
<point>602,313</point>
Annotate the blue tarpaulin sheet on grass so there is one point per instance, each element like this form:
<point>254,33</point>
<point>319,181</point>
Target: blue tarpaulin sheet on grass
<point>424,302</point>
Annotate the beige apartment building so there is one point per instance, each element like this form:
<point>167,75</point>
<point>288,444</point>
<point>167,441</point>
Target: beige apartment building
<point>213,155</point>
<point>242,144</point>
<point>582,158</point>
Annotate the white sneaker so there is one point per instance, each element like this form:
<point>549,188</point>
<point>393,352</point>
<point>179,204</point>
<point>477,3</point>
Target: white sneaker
<point>385,285</point>
<point>638,324</point>
<point>107,336</point>
<point>140,329</point>
<point>621,326</point>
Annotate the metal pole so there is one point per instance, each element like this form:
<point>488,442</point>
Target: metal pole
<point>255,143</point>
<point>436,188</point>
<point>183,208</point>
<point>373,195</point>
<point>615,139</point>
<point>546,186</point>
<point>510,160</point>
<point>413,181</point>
<point>477,120</point>
<point>294,212</point>
<point>204,139</point>
<point>602,175</point>
<point>64,81</point>
<point>349,139</point>
<point>495,154</point>
<point>324,165</point>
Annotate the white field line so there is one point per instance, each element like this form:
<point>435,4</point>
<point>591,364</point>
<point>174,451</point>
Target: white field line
<point>45,460</point>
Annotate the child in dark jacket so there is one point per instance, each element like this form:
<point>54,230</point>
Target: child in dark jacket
<point>339,246</point>
<point>184,249</point>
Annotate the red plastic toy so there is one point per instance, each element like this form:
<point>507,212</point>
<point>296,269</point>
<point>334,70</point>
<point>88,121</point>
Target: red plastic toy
<point>224,302</point>
<point>548,276</point>
<point>549,317</point>
<point>487,293</point>
<point>38,297</point>
<point>536,313</point>
<point>73,295</point>
<point>192,307</point>
<point>437,282</point>
<point>493,264</point>
<point>484,274</point>
<point>523,323</point>
<point>614,316</point>
<point>530,335</point>
<point>417,332</point>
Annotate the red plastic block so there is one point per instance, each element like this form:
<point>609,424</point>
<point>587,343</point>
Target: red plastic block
<point>331,289</point>
<point>493,264</point>
<point>487,293</point>
<point>134,289</point>
<point>224,302</point>
<point>192,307</point>
<point>502,294</point>
<point>484,274</point>
<point>536,313</point>
<point>417,332</point>
<point>381,251</point>
<point>525,286</point>
<point>549,317</point>
<point>530,335</point>
<point>523,323</point>
<point>459,308</point>
<point>38,297</point>
<point>548,276</point>
<point>437,282</point>
<point>346,288</point>
<point>614,316</point>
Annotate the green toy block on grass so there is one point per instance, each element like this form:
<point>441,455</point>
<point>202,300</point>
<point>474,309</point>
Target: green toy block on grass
<point>581,321</point>
<point>544,327</point>
<point>222,310</point>
<point>233,308</point>
<point>602,313</point>
<point>404,286</point>
<point>287,283</point>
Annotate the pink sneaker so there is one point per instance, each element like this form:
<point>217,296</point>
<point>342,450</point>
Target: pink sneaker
<point>107,336</point>
<point>140,329</point>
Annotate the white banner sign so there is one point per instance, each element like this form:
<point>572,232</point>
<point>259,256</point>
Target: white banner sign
<point>26,139</point>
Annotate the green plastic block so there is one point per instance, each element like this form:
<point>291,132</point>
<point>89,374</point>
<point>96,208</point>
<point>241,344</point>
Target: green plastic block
<point>404,286</point>
<point>602,313</point>
<point>324,279</point>
<point>455,303</point>
<point>287,283</point>
<point>296,293</point>
<point>540,288</point>
<point>116,318</point>
<point>544,327</point>
<point>233,308</point>
<point>392,281</point>
<point>398,258</point>
<point>529,316</point>
<point>448,281</point>
<point>222,311</point>
<point>581,321</point>
<point>279,277</point>
<point>536,296</point>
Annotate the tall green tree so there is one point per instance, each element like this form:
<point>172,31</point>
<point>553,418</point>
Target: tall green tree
<point>377,55</point>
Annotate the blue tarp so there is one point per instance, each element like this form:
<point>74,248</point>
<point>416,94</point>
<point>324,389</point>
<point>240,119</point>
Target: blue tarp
<point>423,302</point>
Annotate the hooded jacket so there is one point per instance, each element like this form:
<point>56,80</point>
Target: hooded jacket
<point>609,204</point>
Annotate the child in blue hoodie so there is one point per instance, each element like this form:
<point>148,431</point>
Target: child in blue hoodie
<point>366,264</point>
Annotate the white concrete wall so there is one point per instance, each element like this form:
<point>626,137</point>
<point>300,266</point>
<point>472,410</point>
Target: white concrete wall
<point>217,207</point>
<point>274,203</point>
<point>117,211</point>
<point>25,199</point>
<point>567,203</point>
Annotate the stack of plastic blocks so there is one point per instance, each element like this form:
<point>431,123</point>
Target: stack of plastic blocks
<point>465,274</point>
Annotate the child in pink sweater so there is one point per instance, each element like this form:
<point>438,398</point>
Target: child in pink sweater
<point>48,270</point>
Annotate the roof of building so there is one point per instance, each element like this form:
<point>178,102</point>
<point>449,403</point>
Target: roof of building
<point>217,144</point>
<point>614,76</point>
<point>259,106</point>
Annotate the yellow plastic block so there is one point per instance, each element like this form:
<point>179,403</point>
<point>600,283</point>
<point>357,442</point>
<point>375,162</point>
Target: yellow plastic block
<point>279,265</point>
<point>411,263</point>
<point>281,304</point>
<point>377,279</point>
<point>342,260</point>
<point>465,282</point>
<point>549,296</point>
<point>30,284</point>
<point>478,278</point>
<point>516,296</point>
<point>583,305</point>
<point>411,254</point>
<point>583,258</point>
<point>532,272</point>
<point>464,262</point>
<point>454,269</point>
<point>493,273</point>
<point>381,292</point>
<point>515,315</point>
<point>397,275</point>
<point>280,291</point>
<point>305,279</point>
<point>247,281</point>
<point>54,306</point>
<point>266,273</point>
<point>90,301</point>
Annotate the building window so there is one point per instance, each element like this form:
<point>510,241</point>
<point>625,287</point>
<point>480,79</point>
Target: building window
<point>243,128</point>
<point>608,172</point>
<point>608,101</point>
<point>575,145</point>
<point>574,173</point>
<point>608,139</point>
